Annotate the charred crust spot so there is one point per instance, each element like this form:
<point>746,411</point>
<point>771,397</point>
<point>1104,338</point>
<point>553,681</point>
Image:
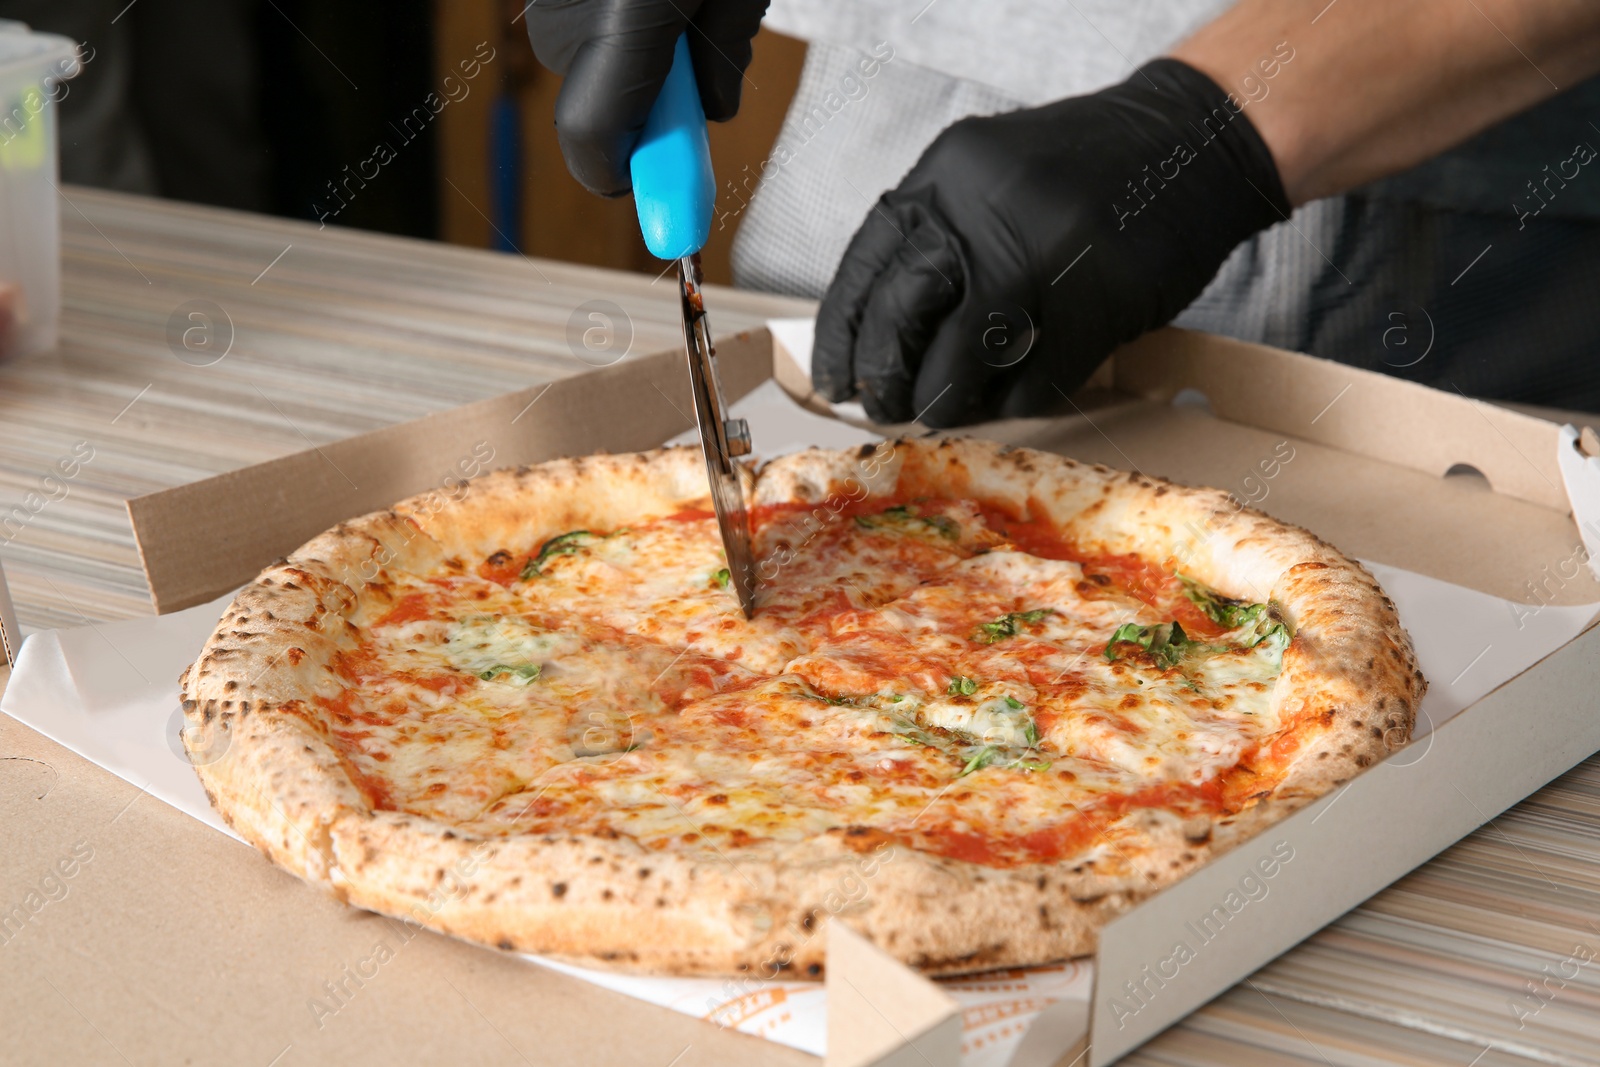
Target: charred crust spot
<point>809,921</point>
<point>661,902</point>
<point>189,705</point>
<point>558,889</point>
<point>1161,490</point>
<point>499,558</point>
<point>606,894</point>
<point>448,835</point>
<point>717,798</point>
<point>1363,760</point>
<point>1376,731</point>
<point>504,944</point>
<point>230,686</point>
<point>863,839</point>
<point>865,450</point>
<point>1092,898</point>
<point>644,872</point>
<point>813,969</point>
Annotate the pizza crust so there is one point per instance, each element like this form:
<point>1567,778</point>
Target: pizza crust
<point>1350,679</point>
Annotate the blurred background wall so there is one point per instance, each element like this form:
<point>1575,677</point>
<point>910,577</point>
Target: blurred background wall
<point>428,118</point>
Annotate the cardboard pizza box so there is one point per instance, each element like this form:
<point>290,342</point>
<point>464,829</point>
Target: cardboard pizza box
<point>1435,483</point>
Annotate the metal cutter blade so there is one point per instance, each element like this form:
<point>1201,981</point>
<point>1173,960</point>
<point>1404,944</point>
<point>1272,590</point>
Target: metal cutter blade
<point>721,439</point>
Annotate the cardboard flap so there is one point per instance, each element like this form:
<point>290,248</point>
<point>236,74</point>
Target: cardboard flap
<point>883,1014</point>
<point>1355,410</point>
<point>250,517</point>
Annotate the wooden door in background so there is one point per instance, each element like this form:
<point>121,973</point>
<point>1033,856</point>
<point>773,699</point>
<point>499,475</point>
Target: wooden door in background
<point>553,216</point>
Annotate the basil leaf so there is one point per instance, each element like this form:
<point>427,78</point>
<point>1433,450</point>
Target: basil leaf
<point>962,686</point>
<point>1031,764</point>
<point>1226,612</point>
<point>906,518</point>
<point>1030,733</point>
<point>911,732</point>
<point>527,672</point>
<point>722,577</point>
<point>560,545</point>
<point>979,761</point>
<point>1009,625</point>
<point>1166,642</point>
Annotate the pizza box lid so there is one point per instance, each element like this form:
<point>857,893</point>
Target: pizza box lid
<point>1372,455</point>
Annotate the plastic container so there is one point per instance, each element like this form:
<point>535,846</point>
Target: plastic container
<point>34,69</point>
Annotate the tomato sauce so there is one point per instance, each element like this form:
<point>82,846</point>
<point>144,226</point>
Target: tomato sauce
<point>413,607</point>
<point>503,567</point>
<point>375,789</point>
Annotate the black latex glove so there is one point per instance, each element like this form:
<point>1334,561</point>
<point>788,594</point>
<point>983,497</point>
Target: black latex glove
<point>1022,248</point>
<point>615,54</point>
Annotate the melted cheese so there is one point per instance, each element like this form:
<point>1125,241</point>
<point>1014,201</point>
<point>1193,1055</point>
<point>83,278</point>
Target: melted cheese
<point>908,670</point>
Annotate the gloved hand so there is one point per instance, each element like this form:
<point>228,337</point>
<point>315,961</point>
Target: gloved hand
<point>615,54</point>
<point>1023,247</point>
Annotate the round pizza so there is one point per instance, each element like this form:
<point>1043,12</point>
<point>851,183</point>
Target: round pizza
<point>989,699</point>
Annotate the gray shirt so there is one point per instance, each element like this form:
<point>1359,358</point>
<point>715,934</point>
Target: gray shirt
<point>883,78</point>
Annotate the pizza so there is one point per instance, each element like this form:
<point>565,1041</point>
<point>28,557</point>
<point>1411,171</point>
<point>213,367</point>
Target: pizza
<point>990,698</point>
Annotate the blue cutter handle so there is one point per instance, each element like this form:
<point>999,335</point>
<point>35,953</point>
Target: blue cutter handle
<point>673,187</point>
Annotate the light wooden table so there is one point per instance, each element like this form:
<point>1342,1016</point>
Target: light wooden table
<point>335,332</point>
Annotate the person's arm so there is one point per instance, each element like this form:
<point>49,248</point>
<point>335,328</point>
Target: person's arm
<point>1023,247</point>
<point>1378,86</point>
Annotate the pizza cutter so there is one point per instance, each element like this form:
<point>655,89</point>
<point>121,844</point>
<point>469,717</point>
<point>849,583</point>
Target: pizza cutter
<point>674,191</point>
